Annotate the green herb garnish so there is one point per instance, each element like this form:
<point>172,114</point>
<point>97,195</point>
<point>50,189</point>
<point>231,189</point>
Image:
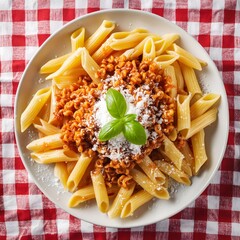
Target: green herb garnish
<point>132,130</point>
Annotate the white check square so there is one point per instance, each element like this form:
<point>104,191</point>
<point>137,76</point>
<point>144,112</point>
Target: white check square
<point>12,228</point>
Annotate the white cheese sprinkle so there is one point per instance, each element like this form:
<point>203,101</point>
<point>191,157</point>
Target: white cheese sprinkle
<point>139,104</point>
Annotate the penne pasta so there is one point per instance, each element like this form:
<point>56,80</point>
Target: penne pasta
<point>54,64</point>
<point>87,193</point>
<point>191,81</point>
<point>136,201</point>
<point>77,39</point>
<point>200,123</point>
<point>46,143</point>
<point>165,60</point>
<point>152,188</point>
<point>34,107</point>
<point>100,191</point>
<point>82,195</point>
<point>169,150</point>
<point>166,41</point>
<point>64,81</point>
<point>97,38</point>
<point>187,58</point>
<point>151,170</point>
<point>126,40</point>
<point>78,172</point>
<point>173,172</point>
<point>149,50</point>
<point>89,65</point>
<point>199,150</point>
<point>122,197</point>
<point>188,157</point>
<point>46,128</point>
<point>179,76</point>
<point>73,61</point>
<point>169,72</point>
<point>53,156</point>
<point>104,51</point>
<point>203,104</point>
<point>183,112</point>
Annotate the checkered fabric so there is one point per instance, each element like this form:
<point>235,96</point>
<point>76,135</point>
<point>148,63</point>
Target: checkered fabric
<point>25,213</point>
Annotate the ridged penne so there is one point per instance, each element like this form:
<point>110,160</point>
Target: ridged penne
<point>53,156</point>
<point>100,191</point>
<point>187,58</point>
<point>89,65</point>
<point>98,37</point>
<point>149,50</point>
<point>34,107</point>
<point>170,150</point>
<point>173,172</point>
<point>46,143</point>
<point>154,189</point>
<point>126,40</point>
<point>151,170</point>
<point>103,51</point>
<point>46,128</point>
<point>203,104</point>
<point>170,72</point>
<point>78,172</point>
<point>165,60</point>
<point>199,150</point>
<point>119,201</point>
<point>179,76</point>
<point>191,80</point>
<point>166,41</point>
<point>200,123</point>
<point>87,193</point>
<point>183,112</point>
<point>136,201</point>
<point>73,61</point>
<point>54,64</point>
<point>77,38</point>
<point>64,81</point>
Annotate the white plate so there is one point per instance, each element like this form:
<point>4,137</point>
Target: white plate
<point>216,134</point>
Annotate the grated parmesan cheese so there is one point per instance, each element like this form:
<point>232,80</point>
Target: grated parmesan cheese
<point>140,104</point>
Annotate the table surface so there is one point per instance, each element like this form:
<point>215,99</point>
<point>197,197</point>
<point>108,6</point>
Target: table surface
<point>25,213</point>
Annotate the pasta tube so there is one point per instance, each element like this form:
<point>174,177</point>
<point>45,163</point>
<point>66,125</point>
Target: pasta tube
<point>122,197</point>
<point>154,189</point>
<point>100,191</point>
<point>203,104</point>
<point>78,171</point>
<point>151,170</point>
<point>199,150</point>
<point>136,201</point>
<point>34,107</point>
<point>46,143</point>
<point>53,156</point>
<point>77,39</point>
<point>97,38</point>
<point>173,172</point>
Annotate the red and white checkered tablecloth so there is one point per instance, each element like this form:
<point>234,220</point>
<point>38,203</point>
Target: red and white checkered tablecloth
<point>25,213</point>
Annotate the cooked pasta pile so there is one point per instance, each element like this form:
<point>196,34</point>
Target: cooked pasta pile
<point>157,80</point>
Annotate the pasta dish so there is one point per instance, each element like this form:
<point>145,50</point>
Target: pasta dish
<point>124,114</point>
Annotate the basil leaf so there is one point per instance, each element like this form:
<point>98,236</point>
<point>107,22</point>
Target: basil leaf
<point>116,103</point>
<point>110,130</point>
<point>135,133</point>
<point>129,117</point>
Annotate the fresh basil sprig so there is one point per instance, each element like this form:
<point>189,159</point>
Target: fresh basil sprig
<point>132,130</point>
